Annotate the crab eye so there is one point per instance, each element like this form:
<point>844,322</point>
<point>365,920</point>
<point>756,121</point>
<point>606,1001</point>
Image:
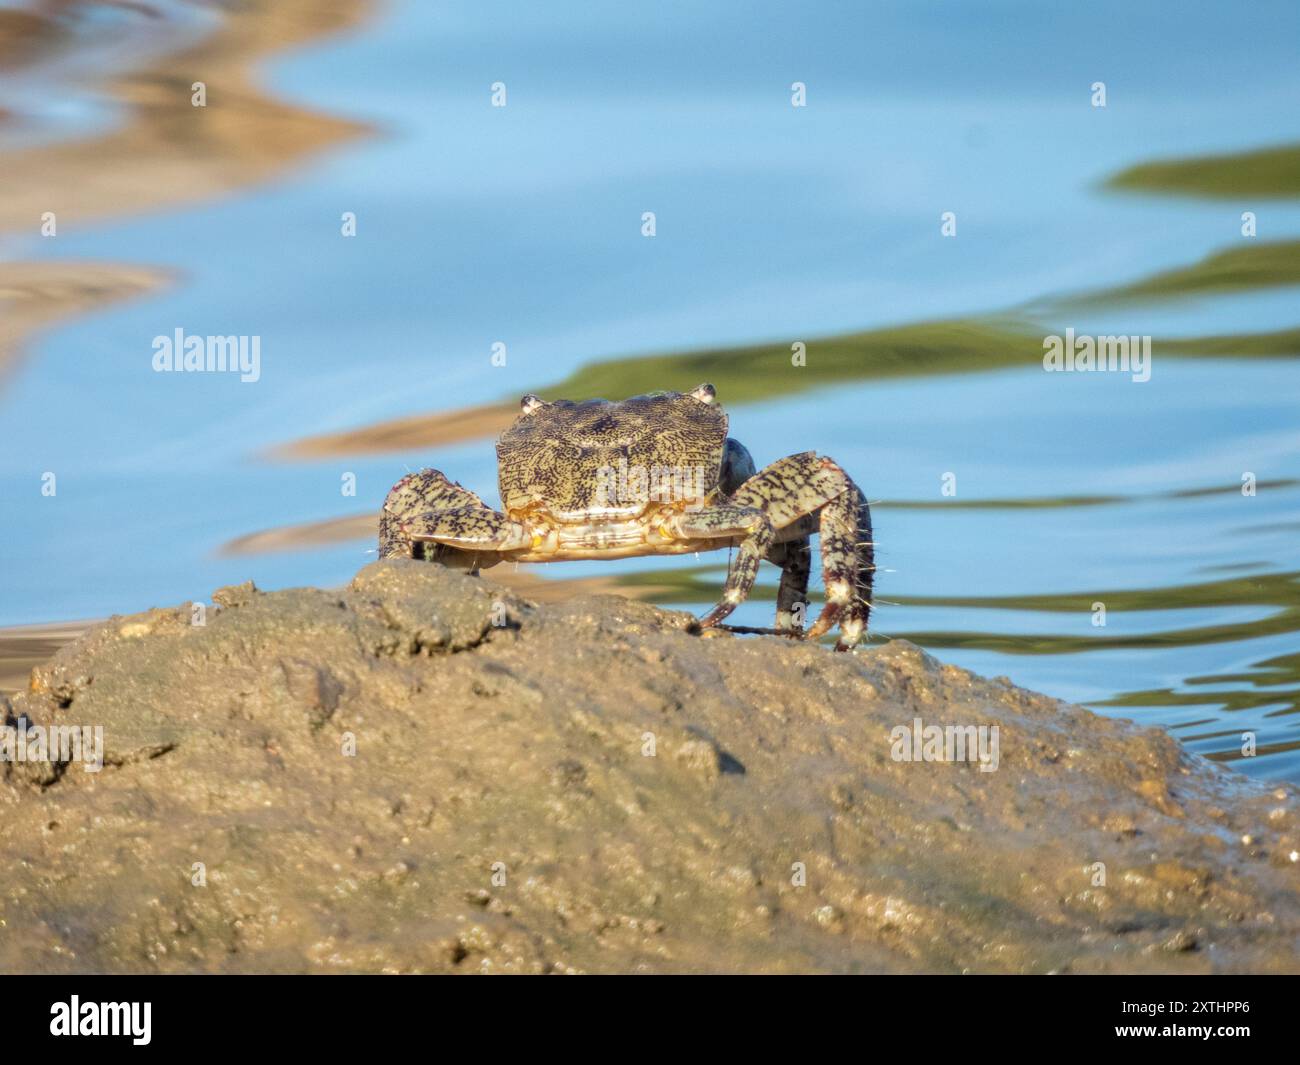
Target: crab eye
<point>530,403</point>
<point>705,393</point>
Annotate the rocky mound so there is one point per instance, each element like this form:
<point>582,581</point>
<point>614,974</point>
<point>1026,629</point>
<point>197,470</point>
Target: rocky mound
<point>424,773</point>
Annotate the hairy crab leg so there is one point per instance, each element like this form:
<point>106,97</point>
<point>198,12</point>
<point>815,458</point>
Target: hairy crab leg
<point>848,565</point>
<point>794,487</point>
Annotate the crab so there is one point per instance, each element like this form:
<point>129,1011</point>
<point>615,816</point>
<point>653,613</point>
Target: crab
<point>651,475</point>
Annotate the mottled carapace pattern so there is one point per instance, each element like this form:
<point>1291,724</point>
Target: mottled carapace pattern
<point>552,456</point>
<point>651,475</point>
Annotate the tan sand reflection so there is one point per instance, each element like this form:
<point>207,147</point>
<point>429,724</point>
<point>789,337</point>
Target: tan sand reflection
<point>33,295</point>
<point>403,434</point>
<point>25,646</point>
<point>166,152</point>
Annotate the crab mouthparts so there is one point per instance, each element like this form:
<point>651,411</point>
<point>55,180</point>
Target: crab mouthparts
<point>594,530</point>
<point>598,515</point>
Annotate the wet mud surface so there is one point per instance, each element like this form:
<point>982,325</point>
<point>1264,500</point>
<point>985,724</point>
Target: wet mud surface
<point>426,773</point>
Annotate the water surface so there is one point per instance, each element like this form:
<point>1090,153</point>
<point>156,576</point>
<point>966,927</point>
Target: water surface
<point>774,224</point>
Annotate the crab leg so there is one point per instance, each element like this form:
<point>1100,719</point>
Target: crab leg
<point>848,564</point>
<point>795,559</point>
<point>797,486</point>
<point>722,522</point>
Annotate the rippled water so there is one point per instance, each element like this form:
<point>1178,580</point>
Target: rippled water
<point>775,224</point>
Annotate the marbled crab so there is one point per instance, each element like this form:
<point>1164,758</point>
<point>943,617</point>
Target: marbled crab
<point>652,475</point>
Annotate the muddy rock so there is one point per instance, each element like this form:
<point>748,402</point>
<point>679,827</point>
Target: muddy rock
<point>425,773</point>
